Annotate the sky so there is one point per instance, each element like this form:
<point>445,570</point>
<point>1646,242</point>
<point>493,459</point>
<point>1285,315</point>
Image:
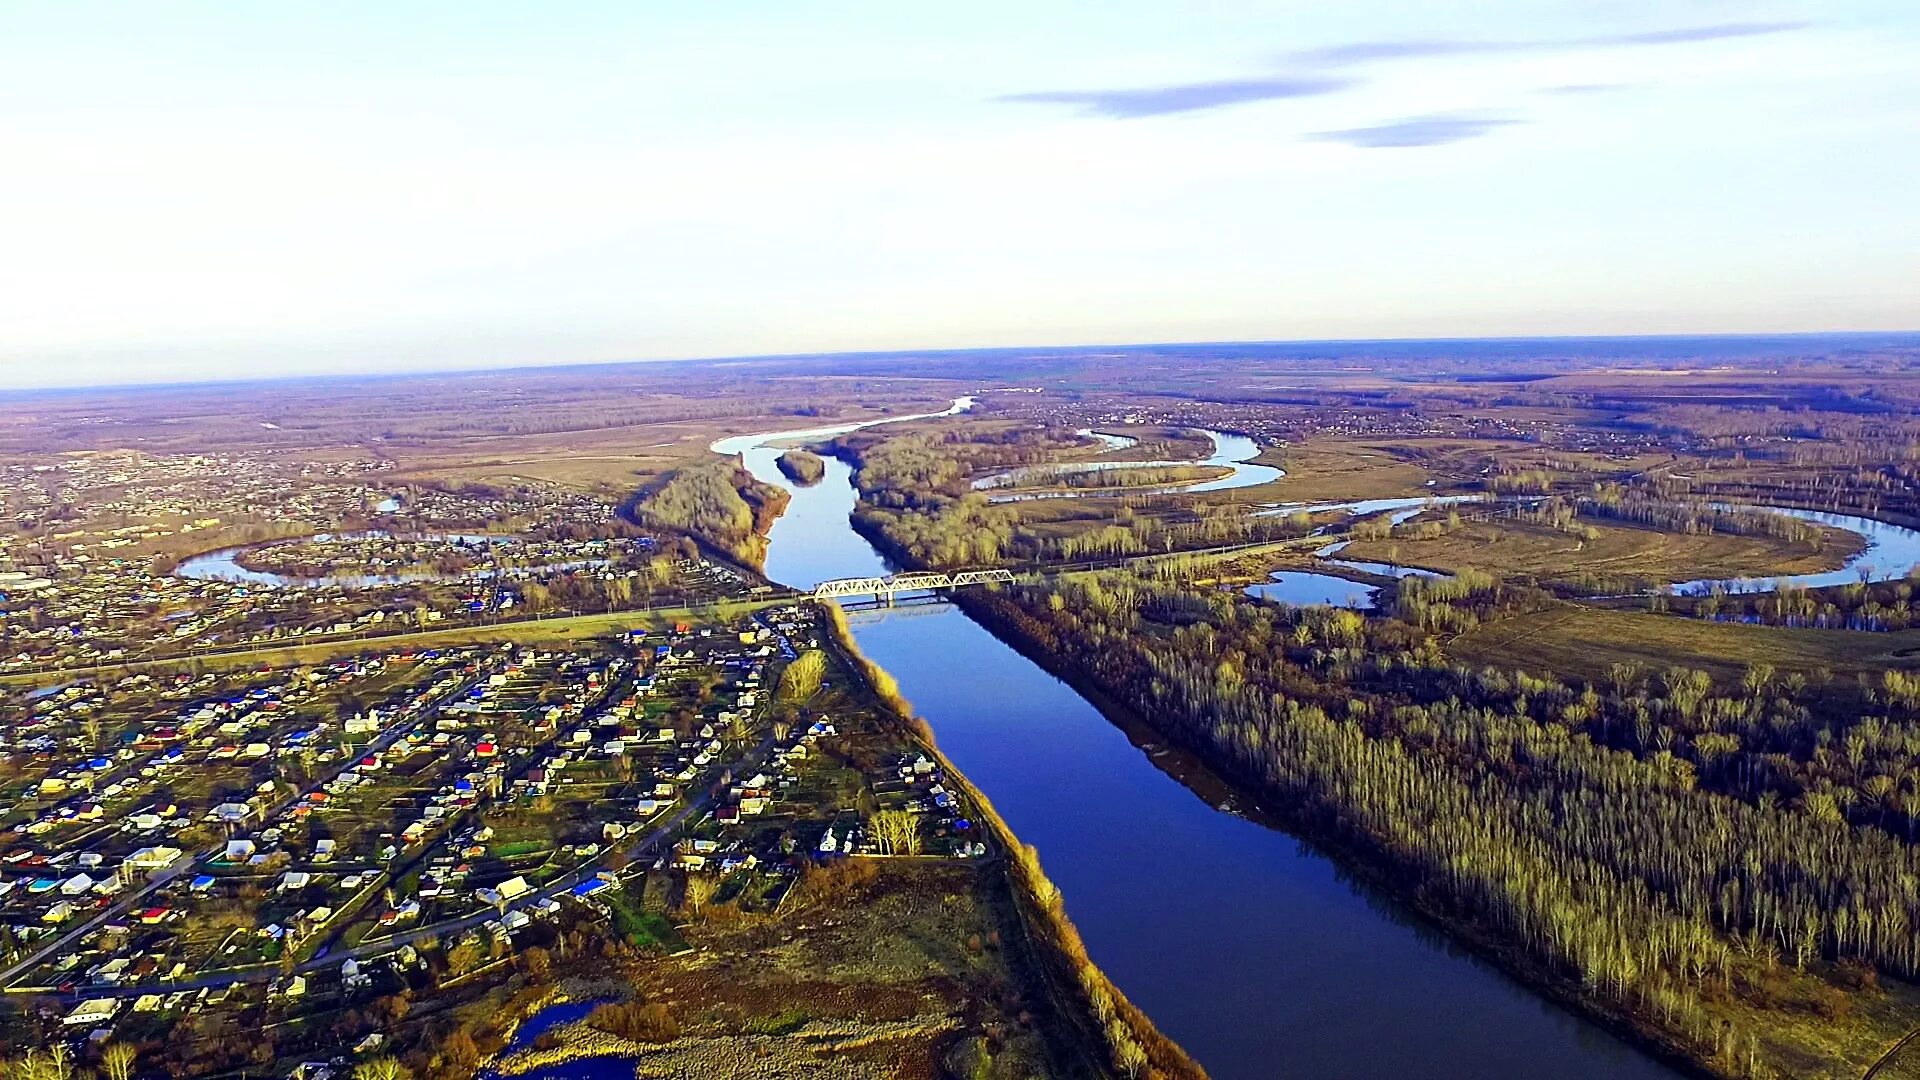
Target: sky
<point>222,190</point>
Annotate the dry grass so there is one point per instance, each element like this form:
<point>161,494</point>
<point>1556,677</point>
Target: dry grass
<point>1329,469</point>
<point>1509,548</point>
<point>1579,640</point>
<point>902,962</point>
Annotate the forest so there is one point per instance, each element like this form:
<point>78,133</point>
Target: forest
<point>915,492</point>
<point>718,502</point>
<point>1726,866</point>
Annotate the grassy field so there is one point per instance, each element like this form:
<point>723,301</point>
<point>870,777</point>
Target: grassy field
<point>1579,640</point>
<point>1337,468</point>
<point>1509,548</point>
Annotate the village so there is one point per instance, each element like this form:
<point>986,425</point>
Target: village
<point>108,558</point>
<point>273,843</point>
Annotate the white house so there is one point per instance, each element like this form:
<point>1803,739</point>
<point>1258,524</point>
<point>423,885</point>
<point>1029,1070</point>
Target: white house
<point>157,857</point>
<point>92,1011</point>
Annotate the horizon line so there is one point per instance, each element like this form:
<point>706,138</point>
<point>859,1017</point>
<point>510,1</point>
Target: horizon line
<point>23,391</point>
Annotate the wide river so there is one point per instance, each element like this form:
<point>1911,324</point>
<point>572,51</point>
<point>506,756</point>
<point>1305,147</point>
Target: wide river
<point>1245,945</point>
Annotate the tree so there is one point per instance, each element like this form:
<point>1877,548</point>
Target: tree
<point>699,892</point>
<point>52,1064</point>
<point>464,956</point>
<point>382,1068</point>
<point>801,679</point>
<point>460,1051</point>
<point>896,831</point>
<point>117,1061</point>
<point>537,962</point>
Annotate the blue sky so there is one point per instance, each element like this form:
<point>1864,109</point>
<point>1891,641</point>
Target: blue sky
<point>218,190</point>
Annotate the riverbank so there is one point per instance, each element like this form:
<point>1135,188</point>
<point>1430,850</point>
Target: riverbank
<point>1098,1009</point>
<point>991,613</point>
<point>1259,954</point>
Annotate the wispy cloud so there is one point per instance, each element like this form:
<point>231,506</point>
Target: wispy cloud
<point>1317,79</point>
<point>1127,103</point>
<point>1713,32</point>
<point>1435,130</point>
<point>1353,53</point>
<point>1587,88</point>
<point>1365,52</point>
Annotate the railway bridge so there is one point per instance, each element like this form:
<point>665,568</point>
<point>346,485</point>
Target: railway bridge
<point>886,587</point>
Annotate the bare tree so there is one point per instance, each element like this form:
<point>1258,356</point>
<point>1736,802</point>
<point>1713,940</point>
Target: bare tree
<point>700,890</point>
<point>116,1061</point>
<point>896,831</point>
<point>381,1068</point>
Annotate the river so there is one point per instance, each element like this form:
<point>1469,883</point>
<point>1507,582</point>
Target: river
<point>1890,552</point>
<point>1249,948</point>
<point>1234,453</point>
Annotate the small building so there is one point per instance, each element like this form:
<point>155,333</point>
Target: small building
<point>157,857</point>
<point>92,1011</point>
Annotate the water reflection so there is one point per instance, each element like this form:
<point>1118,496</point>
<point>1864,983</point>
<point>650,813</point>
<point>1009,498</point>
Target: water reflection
<point>223,564</point>
<point>1891,552</point>
<point>1304,587</point>
<point>1251,949</point>
<point>1234,453</point>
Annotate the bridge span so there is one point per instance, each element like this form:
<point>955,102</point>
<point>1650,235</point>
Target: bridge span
<point>878,587</point>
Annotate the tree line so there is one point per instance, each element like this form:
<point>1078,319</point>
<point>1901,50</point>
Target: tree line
<point>1680,850</point>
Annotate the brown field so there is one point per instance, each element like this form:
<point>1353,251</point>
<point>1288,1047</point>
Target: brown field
<point>879,969</point>
<point>1336,469</point>
<point>1510,548</point>
<point>610,461</point>
<point>1580,640</point>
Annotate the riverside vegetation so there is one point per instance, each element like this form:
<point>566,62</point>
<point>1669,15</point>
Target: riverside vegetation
<point>1695,827</point>
<point>803,467</point>
<point>1712,849</point>
<point>1133,1046</point>
<point>1724,867</point>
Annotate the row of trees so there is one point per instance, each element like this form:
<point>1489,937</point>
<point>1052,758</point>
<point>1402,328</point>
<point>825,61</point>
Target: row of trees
<point>115,1060</point>
<point>1887,605</point>
<point>1696,517</point>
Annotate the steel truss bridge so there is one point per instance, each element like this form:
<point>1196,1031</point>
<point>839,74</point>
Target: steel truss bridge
<point>878,587</point>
